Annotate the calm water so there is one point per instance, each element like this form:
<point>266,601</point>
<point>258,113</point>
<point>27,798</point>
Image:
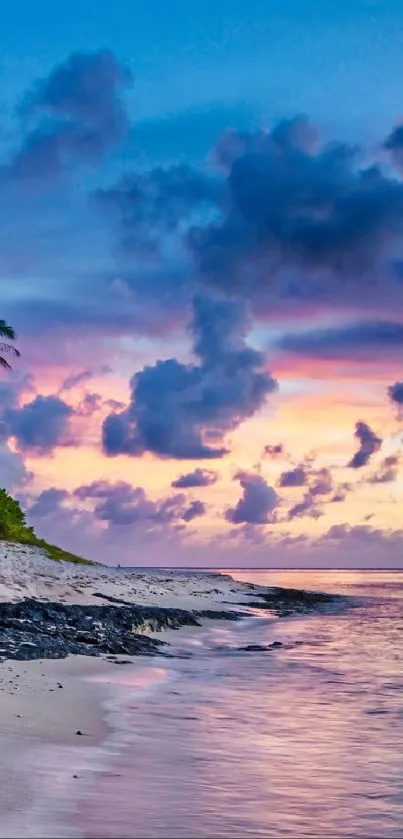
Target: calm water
<point>304,741</point>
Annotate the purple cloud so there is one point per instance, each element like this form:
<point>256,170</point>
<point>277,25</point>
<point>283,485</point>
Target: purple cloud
<point>360,341</point>
<point>185,410</point>
<point>368,442</point>
<point>293,477</point>
<point>306,507</point>
<point>121,504</point>
<point>387,471</point>
<point>395,393</point>
<point>195,509</point>
<point>197,478</point>
<point>40,425</point>
<point>48,502</point>
<point>257,504</point>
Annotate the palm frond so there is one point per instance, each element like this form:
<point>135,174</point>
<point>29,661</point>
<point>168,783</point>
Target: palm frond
<point>4,364</point>
<point>9,348</point>
<point>7,331</point>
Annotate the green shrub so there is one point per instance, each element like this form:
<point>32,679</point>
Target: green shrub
<point>14,528</point>
<point>13,525</point>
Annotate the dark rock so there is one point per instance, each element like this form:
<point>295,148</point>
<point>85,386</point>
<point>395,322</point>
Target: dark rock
<point>37,629</point>
<point>79,732</point>
<point>288,601</point>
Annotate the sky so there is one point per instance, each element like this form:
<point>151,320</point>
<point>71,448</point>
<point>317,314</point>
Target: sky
<point>201,254</point>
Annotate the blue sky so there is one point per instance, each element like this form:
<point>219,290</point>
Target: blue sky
<point>339,62</point>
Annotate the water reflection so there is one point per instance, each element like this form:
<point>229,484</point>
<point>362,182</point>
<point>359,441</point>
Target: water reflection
<point>306,741</point>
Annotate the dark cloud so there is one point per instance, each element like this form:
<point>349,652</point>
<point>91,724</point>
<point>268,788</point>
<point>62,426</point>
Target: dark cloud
<point>293,477</point>
<point>197,478</point>
<point>395,393</point>
<point>40,425</point>
<point>74,115</point>
<point>302,222</point>
<point>359,341</point>
<point>273,451</point>
<point>121,504</point>
<point>184,410</point>
<point>394,145</point>
<point>148,206</point>
<point>195,509</point>
<point>368,442</point>
<point>257,504</point>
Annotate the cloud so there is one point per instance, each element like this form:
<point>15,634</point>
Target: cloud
<point>321,482</point>
<point>197,478</point>
<point>195,509</point>
<point>387,471</point>
<point>121,504</point>
<point>76,379</point>
<point>147,208</point>
<point>368,442</point>
<point>306,507</point>
<point>302,223</point>
<point>273,451</point>
<point>13,472</point>
<point>394,145</point>
<point>74,115</point>
<point>40,425</point>
<point>89,405</point>
<point>395,393</point>
<point>293,477</point>
<point>359,341</point>
<point>341,492</point>
<point>48,502</point>
<point>184,411</point>
<point>320,485</point>
<point>257,504</point>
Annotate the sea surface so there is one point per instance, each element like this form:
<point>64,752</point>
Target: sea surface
<point>302,741</point>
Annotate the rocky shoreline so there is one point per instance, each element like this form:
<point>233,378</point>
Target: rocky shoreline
<point>285,602</point>
<point>36,629</point>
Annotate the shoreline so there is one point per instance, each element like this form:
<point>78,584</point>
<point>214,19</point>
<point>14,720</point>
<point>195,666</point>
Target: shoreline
<point>44,607</point>
<point>44,764</point>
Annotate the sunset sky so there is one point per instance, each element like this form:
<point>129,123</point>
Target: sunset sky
<point>201,252</point>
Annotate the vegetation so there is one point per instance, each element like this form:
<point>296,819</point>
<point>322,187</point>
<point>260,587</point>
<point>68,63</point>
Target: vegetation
<point>13,525</point>
<point>7,332</point>
<point>14,528</point>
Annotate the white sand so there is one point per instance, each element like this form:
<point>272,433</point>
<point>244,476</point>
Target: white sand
<point>27,572</point>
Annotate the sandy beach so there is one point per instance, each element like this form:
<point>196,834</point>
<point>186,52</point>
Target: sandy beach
<point>45,702</point>
<point>59,710</point>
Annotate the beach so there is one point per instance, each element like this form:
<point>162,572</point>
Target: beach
<point>207,730</point>
<point>45,702</point>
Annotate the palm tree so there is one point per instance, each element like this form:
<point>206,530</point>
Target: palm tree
<point>7,332</point>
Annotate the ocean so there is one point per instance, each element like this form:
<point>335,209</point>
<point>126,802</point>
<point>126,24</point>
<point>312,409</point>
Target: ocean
<point>303,741</point>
